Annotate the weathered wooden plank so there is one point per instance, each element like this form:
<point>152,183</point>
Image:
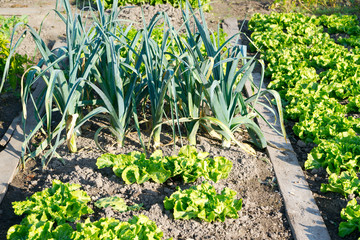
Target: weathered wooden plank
<point>302,212</point>
<point>301,209</point>
<point>9,132</point>
<point>10,156</point>
<point>9,160</point>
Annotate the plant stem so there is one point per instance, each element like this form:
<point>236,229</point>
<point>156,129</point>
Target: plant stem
<point>192,135</point>
<point>70,133</point>
<point>226,143</point>
<point>156,137</point>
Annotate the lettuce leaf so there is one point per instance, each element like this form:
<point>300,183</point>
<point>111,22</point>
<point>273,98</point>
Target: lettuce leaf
<point>204,203</point>
<point>188,164</point>
<point>352,216</point>
<point>117,203</point>
<point>346,183</point>
<point>139,227</point>
<point>61,203</point>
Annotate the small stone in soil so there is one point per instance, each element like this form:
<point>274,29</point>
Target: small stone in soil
<point>99,182</point>
<point>301,143</point>
<point>167,191</point>
<point>109,212</point>
<point>351,196</point>
<point>315,171</point>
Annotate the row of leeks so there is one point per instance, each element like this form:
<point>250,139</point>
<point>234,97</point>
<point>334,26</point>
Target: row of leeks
<point>112,72</point>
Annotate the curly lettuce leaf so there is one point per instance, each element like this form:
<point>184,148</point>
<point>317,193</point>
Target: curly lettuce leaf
<point>346,183</point>
<point>117,203</point>
<point>61,203</point>
<point>188,164</point>
<point>351,214</point>
<point>33,228</point>
<point>139,227</point>
<point>336,155</point>
<point>204,203</point>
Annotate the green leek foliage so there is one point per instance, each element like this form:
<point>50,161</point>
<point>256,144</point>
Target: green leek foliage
<point>107,68</point>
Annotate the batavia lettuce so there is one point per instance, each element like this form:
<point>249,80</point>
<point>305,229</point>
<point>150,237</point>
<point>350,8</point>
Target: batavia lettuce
<point>204,203</point>
<point>188,164</point>
<point>50,211</point>
<point>139,227</point>
<point>117,203</point>
<point>319,80</point>
<point>61,203</point>
<point>352,216</point>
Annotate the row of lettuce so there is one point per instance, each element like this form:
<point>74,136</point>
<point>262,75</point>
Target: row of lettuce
<point>314,63</point>
<point>54,212</point>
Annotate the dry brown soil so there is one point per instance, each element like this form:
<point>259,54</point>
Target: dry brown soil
<point>262,215</point>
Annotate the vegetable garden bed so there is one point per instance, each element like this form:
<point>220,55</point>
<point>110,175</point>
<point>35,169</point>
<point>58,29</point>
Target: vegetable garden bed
<point>256,198</point>
<point>262,215</point>
<point>254,195</point>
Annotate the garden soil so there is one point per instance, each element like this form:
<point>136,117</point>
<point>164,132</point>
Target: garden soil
<point>262,215</point>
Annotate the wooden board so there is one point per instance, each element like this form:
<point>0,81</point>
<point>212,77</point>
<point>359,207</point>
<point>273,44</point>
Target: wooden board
<point>302,212</point>
<point>9,132</point>
<point>10,156</point>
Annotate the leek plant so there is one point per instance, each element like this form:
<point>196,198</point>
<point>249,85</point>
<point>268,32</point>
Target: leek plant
<point>158,72</point>
<point>189,52</point>
<point>189,93</point>
<point>219,73</point>
<point>64,89</point>
<point>115,76</point>
<point>63,85</point>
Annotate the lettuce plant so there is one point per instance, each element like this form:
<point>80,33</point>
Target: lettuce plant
<point>117,203</point>
<point>204,203</point>
<point>188,164</point>
<point>314,75</point>
<point>351,214</point>
<point>311,98</point>
<point>336,155</point>
<point>345,183</point>
<point>63,202</point>
<point>49,211</point>
<point>139,227</point>
<point>33,228</point>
